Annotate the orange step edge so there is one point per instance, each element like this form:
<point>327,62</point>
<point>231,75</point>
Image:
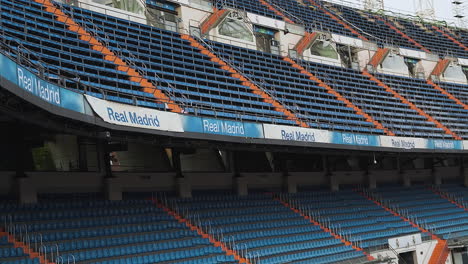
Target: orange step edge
<point>446,93</point>
<point>411,105</point>
<point>325,229</point>
<point>202,233</point>
<point>276,11</point>
<point>256,90</point>
<point>98,46</point>
<point>332,91</point>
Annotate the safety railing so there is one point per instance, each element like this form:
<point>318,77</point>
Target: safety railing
<point>238,67</point>
<point>241,249</point>
<point>33,241</point>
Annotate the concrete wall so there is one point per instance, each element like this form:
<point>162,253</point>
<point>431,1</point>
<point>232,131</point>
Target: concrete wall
<point>69,182</point>
<point>422,252</point>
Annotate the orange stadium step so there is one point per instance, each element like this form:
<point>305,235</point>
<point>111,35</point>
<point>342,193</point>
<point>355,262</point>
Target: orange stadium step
<point>305,42</point>
<point>379,56</point>
<point>440,67</point>
<point>256,90</point>
<point>276,11</point>
<point>338,20</point>
<point>446,197</point>
<point>324,228</point>
<point>202,233</point>
<point>449,95</point>
<point>450,37</point>
<point>411,105</point>
<point>121,65</point>
<point>213,20</point>
<point>26,249</point>
<point>339,97</point>
<point>440,252</point>
<point>404,35</point>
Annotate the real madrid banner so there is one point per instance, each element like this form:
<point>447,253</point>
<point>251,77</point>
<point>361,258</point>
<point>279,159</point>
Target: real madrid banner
<point>134,116</point>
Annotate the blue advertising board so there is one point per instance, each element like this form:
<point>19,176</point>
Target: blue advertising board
<point>355,139</point>
<point>446,144</point>
<point>221,127</point>
<point>8,69</point>
<point>44,90</point>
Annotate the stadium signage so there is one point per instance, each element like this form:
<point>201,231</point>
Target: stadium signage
<point>446,144</point>
<point>221,127</point>
<point>8,69</point>
<point>404,142</point>
<point>29,82</point>
<point>44,90</point>
<point>355,139</point>
<point>296,133</point>
<point>134,116</point>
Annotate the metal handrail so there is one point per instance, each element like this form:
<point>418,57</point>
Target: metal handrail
<point>230,60</point>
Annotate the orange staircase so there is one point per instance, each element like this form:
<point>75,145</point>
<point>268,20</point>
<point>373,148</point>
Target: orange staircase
<point>395,213</point>
<point>213,20</point>
<point>339,97</point>
<point>339,21</point>
<point>441,66</point>
<point>404,35</point>
<point>26,249</point>
<point>441,248</point>
<point>276,11</point>
<point>411,105</point>
<point>448,199</point>
<point>121,65</point>
<point>379,56</point>
<point>255,89</point>
<point>440,253</point>
<point>305,42</point>
<point>202,233</point>
<point>450,37</point>
<point>449,95</point>
<point>324,228</point>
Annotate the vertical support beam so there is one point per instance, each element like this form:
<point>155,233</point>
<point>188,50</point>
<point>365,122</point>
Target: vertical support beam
<point>184,188</point>
<point>371,180</point>
<point>405,179</point>
<point>240,182</point>
<point>289,181</point>
<point>333,179</point>
<point>436,176</point>
<point>82,154</point>
<point>112,185</point>
<point>104,158</point>
<point>464,172</point>
<point>26,189</point>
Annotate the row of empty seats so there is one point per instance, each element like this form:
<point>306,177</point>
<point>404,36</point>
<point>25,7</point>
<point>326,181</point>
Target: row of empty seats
<point>198,84</point>
<point>138,231</point>
<point>432,211</point>
<point>129,231</point>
